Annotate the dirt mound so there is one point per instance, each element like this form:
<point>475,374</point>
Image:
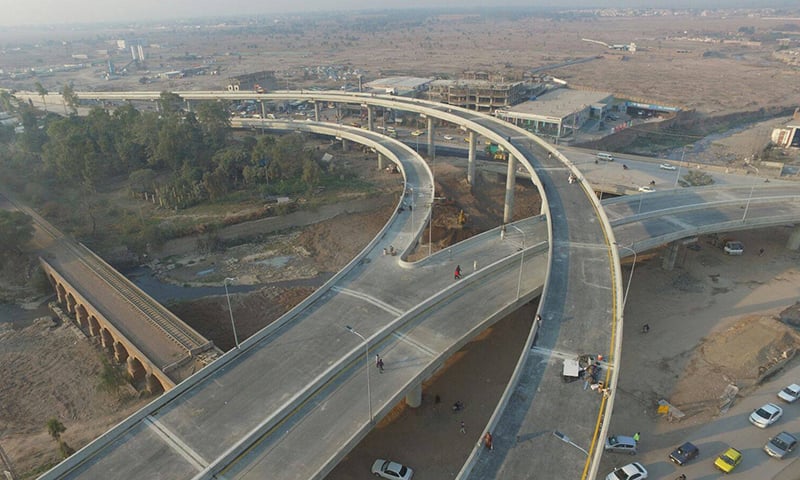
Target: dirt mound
<point>739,355</point>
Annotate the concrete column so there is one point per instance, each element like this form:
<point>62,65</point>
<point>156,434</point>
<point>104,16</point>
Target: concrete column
<point>414,396</point>
<point>345,145</point>
<point>188,106</point>
<point>316,111</point>
<point>511,181</point>
<point>81,315</point>
<point>670,256</point>
<point>471,162</point>
<point>380,161</point>
<point>153,385</point>
<point>371,118</point>
<point>263,109</point>
<point>135,369</point>
<point>431,144</point>
<point>794,239</point>
<point>120,352</point>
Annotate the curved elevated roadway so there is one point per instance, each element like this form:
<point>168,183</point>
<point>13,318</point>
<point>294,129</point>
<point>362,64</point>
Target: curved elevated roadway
<point>231,421</point>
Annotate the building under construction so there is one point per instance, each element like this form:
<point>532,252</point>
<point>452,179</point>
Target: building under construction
<point>478,91</point>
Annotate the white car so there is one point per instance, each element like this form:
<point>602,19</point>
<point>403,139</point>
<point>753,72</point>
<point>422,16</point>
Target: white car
<point>766,415</point>
<point>646,189</point>
<point>631,471</point>
<point>667,166</point>
<point>790,393</point>
<point>391,470</point>
<point>448,137</point>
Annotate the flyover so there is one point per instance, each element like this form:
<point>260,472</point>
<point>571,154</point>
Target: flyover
<point>579,242</point>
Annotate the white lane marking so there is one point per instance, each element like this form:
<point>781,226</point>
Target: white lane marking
<point>176,443</point>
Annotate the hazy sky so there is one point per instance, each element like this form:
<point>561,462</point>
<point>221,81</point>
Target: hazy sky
<point>27,12</point>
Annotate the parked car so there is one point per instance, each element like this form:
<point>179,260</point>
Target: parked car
<point>684,453</point>
<point>667,166</point>
<point>391,470</point>
<point>631,471</point>
<point>780,445</point>
<point>621,444</point>
<point>728,460</point>
<point>765,416</point>
<point>733,247</point>
<point>417,133</point>
<point>790,394</point>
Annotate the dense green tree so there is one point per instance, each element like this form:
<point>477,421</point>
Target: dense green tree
<point>6,101</point>
<point>70,98</point>
<point>215,123</point>
<point>16,230</point>
<point>170,104</point>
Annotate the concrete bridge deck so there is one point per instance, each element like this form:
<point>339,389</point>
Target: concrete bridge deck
<point>587,269</point>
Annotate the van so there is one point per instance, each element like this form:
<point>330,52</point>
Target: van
<point>606,157</point>
<point>621,444</point>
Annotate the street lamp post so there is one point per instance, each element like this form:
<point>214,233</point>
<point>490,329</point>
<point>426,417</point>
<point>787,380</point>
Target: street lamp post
<point>747,205</point>
<point>521,259</point>
<point>366,359</point>
<point>678,174</point>
<point>630,278</point>
<point>230,310</point>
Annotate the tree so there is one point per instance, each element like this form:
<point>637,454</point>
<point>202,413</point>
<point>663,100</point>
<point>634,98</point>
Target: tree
<point>170,103</point>
<point>16,230</point>
<point>70,98</point>
<point>55,428</point>
<point>42,93</point>
<point>215,124</point>
<point>5,101</point>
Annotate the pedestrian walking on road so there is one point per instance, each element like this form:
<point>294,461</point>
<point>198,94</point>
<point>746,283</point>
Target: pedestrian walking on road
<point>457,273</point>
<point>636,437</point>
<point>380,364</point>
<point>463,428</point>
<point>378,361</point>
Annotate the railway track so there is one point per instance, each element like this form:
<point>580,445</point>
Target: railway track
<point>152,311</point>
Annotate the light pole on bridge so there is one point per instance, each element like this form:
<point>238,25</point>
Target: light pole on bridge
<point>230,310</point>
<point>366,359</point>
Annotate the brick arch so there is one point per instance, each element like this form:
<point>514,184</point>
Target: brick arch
<point>71,302</point>
<point>120,352</point>
<point>61,293</point>
<point>82,316</point>
<point>106,339</point>
<point>136,370</point>
<point>94,326</point>
<point>154,385</point>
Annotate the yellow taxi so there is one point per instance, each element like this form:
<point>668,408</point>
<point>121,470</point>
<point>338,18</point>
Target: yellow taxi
<point>728,460</point>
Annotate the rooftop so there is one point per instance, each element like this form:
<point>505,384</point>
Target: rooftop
<point>560,102</point>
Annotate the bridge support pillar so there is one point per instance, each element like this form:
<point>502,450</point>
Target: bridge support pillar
<point>94,327</point>
<point>153,385</point>
<point>380,161</point>
<point>263,110</point>
<point>70,304</point>
<point>106,339</point>
<point>471,162</point>
<point>414,396</point>
<point>82,317</point>
<point>371,118</point>
<point>670,256</point>
<point>511,181</point>
<point>794,239</point>
<point>120,352</point>
<point>316,111</point>
<point>345,145</point>
<point>62,295</point>
<point>431,143</point>
<point>135,369</point>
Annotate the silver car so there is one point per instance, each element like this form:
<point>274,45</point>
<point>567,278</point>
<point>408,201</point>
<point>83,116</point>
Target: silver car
<point>780,445</point>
